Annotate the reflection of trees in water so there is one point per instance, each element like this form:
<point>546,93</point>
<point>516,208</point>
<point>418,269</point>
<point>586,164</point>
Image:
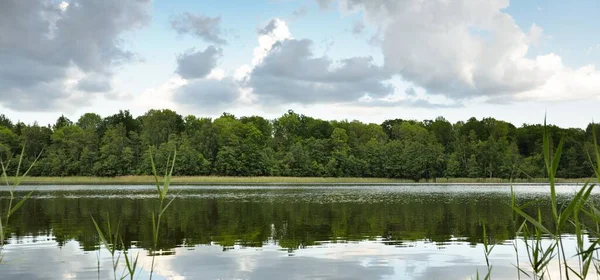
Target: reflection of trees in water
<point>291,224</point>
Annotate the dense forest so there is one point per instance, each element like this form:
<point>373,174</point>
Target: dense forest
<point>291,145</point>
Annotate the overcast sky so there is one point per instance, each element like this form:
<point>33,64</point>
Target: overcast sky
<point>369,60</point>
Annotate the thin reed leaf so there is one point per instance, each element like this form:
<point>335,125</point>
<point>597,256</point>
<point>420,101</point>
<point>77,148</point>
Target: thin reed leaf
<point>4,175</point>
<point>20,162</point>
<point>533,221</point>
<point>573,204</point>
<point>168,177</point>
<point>19,179</point>
<point>155,173</point>
<point>130,265</point>
<point>100,234</point>
<point>20,203</point>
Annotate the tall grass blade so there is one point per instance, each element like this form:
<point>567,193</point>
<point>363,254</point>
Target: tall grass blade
<point>20,203</point>
<point>155,174</point>
<point>20,161</point>
<point>533,221</point>
<point>100,234</point>
<point>169,175</point>
<point>18,179</point>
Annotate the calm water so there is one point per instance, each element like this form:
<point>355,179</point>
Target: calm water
<point>271,232</point>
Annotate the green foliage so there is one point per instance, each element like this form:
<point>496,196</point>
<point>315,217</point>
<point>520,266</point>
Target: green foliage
<point>295,145</point>
<point>116,155</point>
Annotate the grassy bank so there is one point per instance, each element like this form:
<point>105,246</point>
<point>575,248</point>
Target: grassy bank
<point>209,180</point>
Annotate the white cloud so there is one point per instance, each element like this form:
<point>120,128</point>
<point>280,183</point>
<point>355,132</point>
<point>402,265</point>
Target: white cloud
<point>216,74</point>
<point>63,5</point>
<point>467,49</point>
<point>276,31</point>
<point>565,83</point>
<point>160,97</point>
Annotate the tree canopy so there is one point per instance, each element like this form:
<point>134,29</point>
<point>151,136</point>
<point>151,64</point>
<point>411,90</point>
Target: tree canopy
<point>291,145</point>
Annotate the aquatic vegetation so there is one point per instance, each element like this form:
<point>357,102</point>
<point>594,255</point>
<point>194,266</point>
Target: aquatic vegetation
<point>110,237</point>
<point>16,181</point>
<point>162,192</point>
<point>532,230</point>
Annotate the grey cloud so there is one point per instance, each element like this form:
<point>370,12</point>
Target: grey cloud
<point>197,64</point>
<point>38,96</point>
<point>39,43</point>
<point>358,27</point>
<point>272,25</point>
<point>290,73</point>
<point>410,92</point>
<point>94,83</point>
<point>207,93</point>
<point>204,27</point>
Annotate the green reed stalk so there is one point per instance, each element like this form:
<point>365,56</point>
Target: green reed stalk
<point>108,239</point>
<point>162,192</point>
<point>130,264</point>
<point>539,257</point>
<point>11,209</point>
<point>513,204</point>
<point>487,250</point>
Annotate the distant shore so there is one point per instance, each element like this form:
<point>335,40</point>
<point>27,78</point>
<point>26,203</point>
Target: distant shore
<point>223,180</point>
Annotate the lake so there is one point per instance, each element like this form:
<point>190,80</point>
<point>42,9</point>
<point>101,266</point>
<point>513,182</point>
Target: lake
<point>273,232</point>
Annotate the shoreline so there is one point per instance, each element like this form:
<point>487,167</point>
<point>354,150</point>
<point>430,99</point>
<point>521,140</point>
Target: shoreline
<point>222,180</point>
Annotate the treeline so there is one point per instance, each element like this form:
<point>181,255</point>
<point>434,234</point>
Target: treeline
<point>291,145</point>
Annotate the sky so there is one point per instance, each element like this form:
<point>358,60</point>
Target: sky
<point>368,60</point>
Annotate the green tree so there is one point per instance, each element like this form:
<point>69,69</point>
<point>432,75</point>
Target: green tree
<point>159,125</point>
<point>116,155</point>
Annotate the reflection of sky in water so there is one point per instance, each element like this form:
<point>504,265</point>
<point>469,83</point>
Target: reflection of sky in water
<point>41,258</point>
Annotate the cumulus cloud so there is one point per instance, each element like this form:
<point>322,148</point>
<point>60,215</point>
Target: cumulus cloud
<point>42,42</point>
<point>197,64</point>
<point>204,27</point>
<point>94,83</point>
<point>208,94</point>
<point>276,30</point>
<point>291,73</point>
<point>467,49</point>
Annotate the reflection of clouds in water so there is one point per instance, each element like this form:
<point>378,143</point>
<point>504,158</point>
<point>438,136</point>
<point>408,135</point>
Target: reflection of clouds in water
<point>45,260</point>
<point>213,263</point>
<point>353,260</point>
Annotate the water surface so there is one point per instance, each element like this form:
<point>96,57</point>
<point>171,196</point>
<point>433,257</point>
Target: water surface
<point>273,232</point>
